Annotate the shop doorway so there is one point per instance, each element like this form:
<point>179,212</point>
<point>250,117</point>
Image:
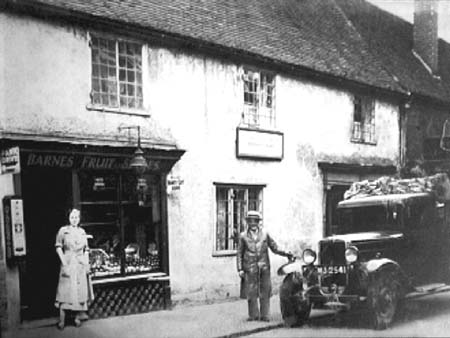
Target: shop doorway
<point>47,195</point>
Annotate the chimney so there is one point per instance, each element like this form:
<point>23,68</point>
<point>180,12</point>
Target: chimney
<point>426,32</point>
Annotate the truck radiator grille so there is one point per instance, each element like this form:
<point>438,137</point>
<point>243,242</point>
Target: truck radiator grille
<point>332,253</point>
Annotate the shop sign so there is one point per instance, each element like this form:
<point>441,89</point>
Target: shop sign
<point>174,183</point>
<point>261,144</point>
<point>79,161</point>
<point>10,160</point>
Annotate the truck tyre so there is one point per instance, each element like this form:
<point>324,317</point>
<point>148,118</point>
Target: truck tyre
<point>383,297</point>
<point>295,309</point>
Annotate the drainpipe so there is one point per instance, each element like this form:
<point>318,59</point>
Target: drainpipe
<point>404,109</point>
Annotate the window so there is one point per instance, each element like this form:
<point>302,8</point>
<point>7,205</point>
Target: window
<point>363,120</point>
<point>259,96</point>
<point>233,202</point>
<point>116,73</point>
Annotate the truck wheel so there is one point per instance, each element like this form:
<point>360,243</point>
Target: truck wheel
<point>295,309</point>
<point>383,297</point>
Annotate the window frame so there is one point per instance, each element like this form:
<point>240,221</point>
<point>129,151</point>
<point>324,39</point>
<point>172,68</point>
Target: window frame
<point>263,117</point>
<point>233,186</point>
<point>364,120</point>
<point>141,110</point>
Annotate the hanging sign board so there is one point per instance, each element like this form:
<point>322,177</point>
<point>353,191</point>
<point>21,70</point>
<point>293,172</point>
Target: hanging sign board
<point>259,144</point>
<point>10,160</point>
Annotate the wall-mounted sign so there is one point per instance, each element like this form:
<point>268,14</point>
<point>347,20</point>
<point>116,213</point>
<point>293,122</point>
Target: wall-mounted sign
<point>79,161</point>
<point>262,144</point>
<point>174,183</point>
<point>10,160</point>
<point>14,227</point>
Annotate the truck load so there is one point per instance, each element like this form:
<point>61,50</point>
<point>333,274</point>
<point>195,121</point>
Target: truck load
<point>438,185</point>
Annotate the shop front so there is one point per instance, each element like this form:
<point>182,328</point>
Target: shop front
<point>123,212</point>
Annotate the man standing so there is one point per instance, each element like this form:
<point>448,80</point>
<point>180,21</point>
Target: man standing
<point>254,266</point>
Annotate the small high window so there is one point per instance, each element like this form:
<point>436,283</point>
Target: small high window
<point>363,120</point>
<point>116,73</point>
<point>259,97</point>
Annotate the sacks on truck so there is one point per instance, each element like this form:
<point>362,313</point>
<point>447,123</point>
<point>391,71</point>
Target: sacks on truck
<point>438,184</point>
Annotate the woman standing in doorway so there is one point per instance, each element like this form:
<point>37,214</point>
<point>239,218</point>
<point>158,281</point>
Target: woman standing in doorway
<point>72,292</point>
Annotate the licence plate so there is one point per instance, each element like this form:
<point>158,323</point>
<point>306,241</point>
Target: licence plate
<point>331,269</point>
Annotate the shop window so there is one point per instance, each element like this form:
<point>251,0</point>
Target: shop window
<point>125,226</point>
<point>259,97</point>
<point>233,202</point>
<point>116,73</point>
<point>363,120</point>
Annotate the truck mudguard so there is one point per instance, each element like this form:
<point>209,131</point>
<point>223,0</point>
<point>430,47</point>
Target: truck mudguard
<point>378,263</point>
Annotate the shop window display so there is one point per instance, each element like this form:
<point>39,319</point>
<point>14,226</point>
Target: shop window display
<point>124,222</point>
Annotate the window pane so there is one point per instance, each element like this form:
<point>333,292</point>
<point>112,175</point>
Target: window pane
<point>122,75</point>
<point>357,113</point>
<point>99,219</point>
<point>142,242</point>
<point>96,98</point>
<point>222,218</point>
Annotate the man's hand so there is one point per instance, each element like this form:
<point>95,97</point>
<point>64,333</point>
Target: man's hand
<point>290,256</point>
<point>241,273</point>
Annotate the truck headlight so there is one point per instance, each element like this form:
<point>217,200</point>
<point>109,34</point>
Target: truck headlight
<point>351,254</point>
<point>309,256</point>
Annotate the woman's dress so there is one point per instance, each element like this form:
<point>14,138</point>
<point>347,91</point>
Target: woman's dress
<point>72,292</point>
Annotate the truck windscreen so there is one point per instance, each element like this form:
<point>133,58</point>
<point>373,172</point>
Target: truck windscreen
<point>367,218</point>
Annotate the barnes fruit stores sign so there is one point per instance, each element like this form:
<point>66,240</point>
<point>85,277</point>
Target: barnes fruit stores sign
<point>79,161</point>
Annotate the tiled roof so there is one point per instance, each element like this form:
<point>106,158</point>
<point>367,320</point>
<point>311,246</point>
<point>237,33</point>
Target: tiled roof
<point>390,40</point>
<point>309,34</point>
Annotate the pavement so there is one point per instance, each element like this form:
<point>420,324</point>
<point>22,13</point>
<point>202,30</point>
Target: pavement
<point>223,319</point>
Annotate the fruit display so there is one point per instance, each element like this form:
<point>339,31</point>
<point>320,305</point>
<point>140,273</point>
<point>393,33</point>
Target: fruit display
<point>103,264</point>
<point>145,264</point>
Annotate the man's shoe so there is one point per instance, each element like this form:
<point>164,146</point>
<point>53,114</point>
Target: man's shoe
<point>265,319</point>
<point>60,325</point>
<point>83,316</point>
<point>252,319</point>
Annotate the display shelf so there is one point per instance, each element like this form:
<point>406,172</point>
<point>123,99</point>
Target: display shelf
<point>88,224</point>
<point>88,203</point>
<point>148,276</point>
<point>98,203</point>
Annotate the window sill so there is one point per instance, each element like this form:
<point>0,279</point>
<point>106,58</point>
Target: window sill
<point>147,276</point>
<point>124,111</point>
<point>224,253</point>
<point>269,129</point>
<point>355,140</point>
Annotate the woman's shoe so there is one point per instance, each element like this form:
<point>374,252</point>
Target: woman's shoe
<point>77,322</point>
<point>60,325</point>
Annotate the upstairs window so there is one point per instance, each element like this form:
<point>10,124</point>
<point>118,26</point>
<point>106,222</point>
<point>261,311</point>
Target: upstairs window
<point>232,203</point>
<point>363,120</point>
<point>259,100</point>
<point>116,73</point>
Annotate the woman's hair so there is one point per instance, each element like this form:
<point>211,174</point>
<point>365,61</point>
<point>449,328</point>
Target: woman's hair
<point>74,210</point>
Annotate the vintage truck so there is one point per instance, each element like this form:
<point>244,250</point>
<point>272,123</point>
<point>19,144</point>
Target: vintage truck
<point>388,247</point>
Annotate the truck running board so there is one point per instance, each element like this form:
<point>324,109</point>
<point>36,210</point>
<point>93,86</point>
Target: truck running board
<point>430,289</point>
